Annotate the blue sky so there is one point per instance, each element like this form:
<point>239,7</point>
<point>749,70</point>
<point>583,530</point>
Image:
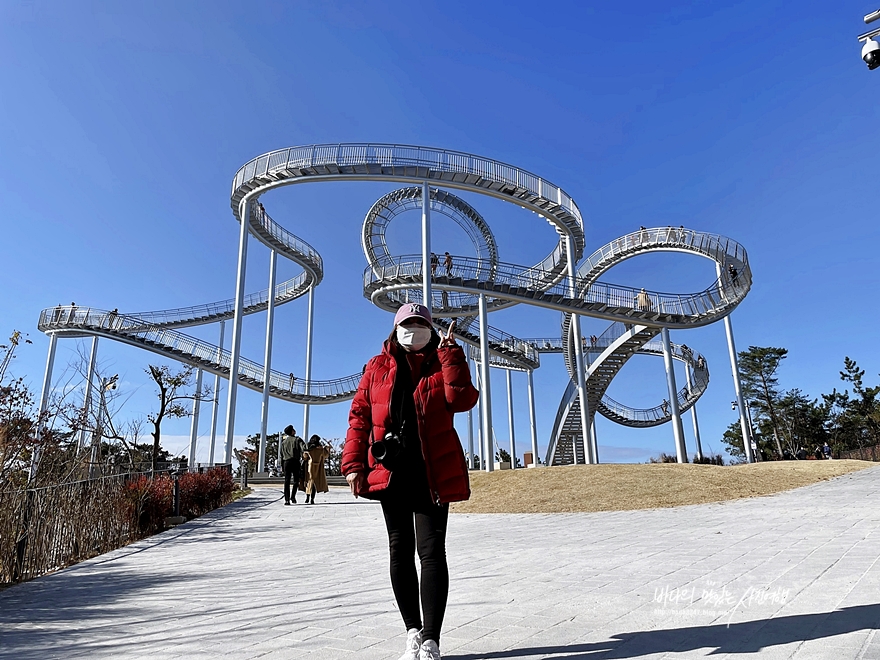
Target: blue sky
<point>122,125</point>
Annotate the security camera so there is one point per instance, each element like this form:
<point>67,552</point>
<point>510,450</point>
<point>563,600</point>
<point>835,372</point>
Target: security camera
<point>871,54</point>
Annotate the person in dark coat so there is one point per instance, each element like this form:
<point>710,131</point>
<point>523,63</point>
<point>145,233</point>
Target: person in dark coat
<point>292,447</point>
<point>402,449</point>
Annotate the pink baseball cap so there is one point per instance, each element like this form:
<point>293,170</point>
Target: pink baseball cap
<point>410,310</point>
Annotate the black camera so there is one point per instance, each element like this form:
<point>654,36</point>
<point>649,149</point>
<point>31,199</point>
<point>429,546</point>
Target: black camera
<point>387,449</point>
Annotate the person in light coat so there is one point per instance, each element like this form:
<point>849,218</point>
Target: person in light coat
<point>316,475</point>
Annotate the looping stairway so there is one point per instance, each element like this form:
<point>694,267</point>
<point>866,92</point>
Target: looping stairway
<point>636,314</point>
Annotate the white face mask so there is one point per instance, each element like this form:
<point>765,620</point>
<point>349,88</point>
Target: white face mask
<point>414,337</point>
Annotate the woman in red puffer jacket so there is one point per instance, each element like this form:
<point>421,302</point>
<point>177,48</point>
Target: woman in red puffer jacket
<point>402,449</point>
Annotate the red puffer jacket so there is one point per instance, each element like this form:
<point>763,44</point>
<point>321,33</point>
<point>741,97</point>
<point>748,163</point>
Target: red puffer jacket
<point>445,388</point>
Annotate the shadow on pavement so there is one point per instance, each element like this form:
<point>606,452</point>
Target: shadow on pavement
<point>745,637</point>
<point>88,598</point>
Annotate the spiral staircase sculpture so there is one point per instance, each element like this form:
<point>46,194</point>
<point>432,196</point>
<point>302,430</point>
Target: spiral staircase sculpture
<point>636,315</point>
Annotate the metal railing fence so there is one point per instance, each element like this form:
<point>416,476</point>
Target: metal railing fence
<point>224,309</point>
<point>714,246</point>
<point>202,353</point>
<point>717,299</point>
<point>44,529</point>
<point>364,155</point>
<point>297,249</point>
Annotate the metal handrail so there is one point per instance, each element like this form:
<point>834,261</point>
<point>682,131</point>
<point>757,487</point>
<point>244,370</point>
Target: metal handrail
<point>204,354</point>
<point>514,349</point>
<point>297,249</point>
<point>694,307</point>
<point>224,309</point>
<point>714,246</point>
<point>401,155</point>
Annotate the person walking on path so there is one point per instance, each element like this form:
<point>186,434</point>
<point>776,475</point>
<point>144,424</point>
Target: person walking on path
<point>401,424</point>
<point>316,476</point>
<point>447,262</point>
<point>643,301</point>
<point>292,447</point>
<point>434,263</point>
<point>826,450</point>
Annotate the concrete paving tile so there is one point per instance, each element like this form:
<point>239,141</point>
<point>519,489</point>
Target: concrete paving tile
<point>589,594</point>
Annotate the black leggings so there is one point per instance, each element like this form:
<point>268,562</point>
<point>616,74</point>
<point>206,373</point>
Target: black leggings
<point>428,535</point>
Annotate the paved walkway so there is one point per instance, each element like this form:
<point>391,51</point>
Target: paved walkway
<point>794,575</point>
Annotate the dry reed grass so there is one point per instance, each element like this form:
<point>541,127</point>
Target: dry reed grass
<point>626,487</point>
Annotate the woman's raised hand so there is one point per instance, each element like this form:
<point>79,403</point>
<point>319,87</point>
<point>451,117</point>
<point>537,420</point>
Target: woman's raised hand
<point>447,339</point>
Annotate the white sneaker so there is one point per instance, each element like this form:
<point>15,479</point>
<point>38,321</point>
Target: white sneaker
<point>413,644</point>
<point>429,650</point>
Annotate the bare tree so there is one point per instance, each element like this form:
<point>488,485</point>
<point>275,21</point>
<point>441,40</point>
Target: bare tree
<point>172,394</point>
<point>9,351</point>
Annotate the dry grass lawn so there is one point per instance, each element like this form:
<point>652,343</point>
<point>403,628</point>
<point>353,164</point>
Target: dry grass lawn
<point>647,486</point>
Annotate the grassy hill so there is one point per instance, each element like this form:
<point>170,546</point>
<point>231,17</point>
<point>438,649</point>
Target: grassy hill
<point>632,486</point>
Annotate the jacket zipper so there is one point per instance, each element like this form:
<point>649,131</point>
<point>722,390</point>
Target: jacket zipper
<point>431,487</point>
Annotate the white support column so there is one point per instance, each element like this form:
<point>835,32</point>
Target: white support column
<point>480,443</point>
<point>580,364</point>
<point>486,393</point>
<point>235,348</point>
<point>470,423</point>
<point>309,330</point>
<point>687,374</point>
<point>44,404</point>
<point>87,405</point>
<point>746,428</point>
<point>194,429</point>
<point>594,441</point>
<point>267,362</point>
<point>427,299</point>
<point>677,430</point>
<point>532,421</point>
<point>755,452</point>
<point>510,421</point>
<point>215,403</point>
